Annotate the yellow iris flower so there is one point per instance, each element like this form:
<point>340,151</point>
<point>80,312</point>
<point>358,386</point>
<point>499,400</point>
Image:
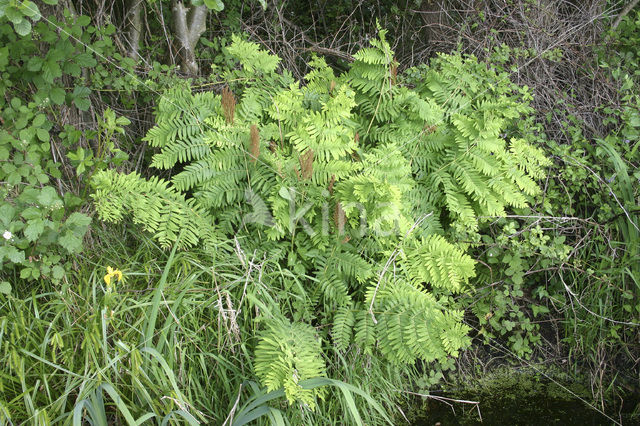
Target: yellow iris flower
<point>111,273</point>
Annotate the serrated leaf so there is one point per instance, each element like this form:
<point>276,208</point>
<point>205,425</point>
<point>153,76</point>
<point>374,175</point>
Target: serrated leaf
<point>85,60</point>
<point>79,222</point>
<point>39,120</point>
<point>34,64</point>
<point>57,272</point>
<point>48,197</point>
<point>31,213</point>
<point>22,28</point>
<point>6,213</point>
<point>34,229</point>
<point>42,134</point>
<point>71,242</point>
<point>82,104</point>
<point>31,10</point>
<point>83,20</point>
<point>57,95</point>
<point>15,255</point>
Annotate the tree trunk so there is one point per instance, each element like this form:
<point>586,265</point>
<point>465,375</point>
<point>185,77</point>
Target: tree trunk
<point>133,20</point>
<point>190,23</point>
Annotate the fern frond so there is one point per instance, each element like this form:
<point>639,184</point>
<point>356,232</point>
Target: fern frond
<point>286,354</point>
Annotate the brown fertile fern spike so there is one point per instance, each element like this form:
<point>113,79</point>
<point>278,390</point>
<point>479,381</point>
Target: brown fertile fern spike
<point>394,72</point>
<point>332,181</point>
<point>332,86</point>
<point>306,164</point>
<point>254,147</point>
<point>228,105</point>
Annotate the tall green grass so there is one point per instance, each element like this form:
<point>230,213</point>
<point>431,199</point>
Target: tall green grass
<point>170,344</point>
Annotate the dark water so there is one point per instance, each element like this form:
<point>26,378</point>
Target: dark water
<point>525,400</point>
<point>504,410</point>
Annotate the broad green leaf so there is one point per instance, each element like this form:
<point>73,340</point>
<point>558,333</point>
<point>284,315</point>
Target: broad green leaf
<point>23,27</point>
<point>57,272</point>
<point>34,229</point>
<point>5,287</point>
<point>57,95</point>
<point>71,242</point>
<point>15,255</point>
<point>215,5</point>
<point>49,197</point>
<point>6,213</point>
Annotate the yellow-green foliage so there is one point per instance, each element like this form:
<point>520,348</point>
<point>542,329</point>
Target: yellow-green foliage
<point>327,178</point>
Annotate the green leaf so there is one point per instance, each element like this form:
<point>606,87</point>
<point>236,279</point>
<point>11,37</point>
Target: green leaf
<point>49,197</point>
<point>78,222</point>
<point>85,60</point>
<point>35,64</point>
<point>6,213</point>
<point>31,213</point>
<point>83,20</point>
<point>39,120</point>
<point>71,242</point>
<point>57,95</point>
<point>31,10</point>
<point>83,104</point>
<point>4,57</point>
<point>284,193</point>
<point>25,273</point>
<point>34,229</point>
<point>57,272</point>
<point>5,287</point>
<point>22,28</point>
<point>15,255</point>
<point>42,134</point>
<point>215,5</point>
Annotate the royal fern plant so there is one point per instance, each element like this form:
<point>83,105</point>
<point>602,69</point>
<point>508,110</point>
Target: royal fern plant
<point>354,183</point>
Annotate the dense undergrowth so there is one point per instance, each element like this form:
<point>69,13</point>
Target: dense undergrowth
<point>314,245</point>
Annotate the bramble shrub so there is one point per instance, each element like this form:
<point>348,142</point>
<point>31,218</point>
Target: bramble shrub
<point>330,179</point>
<point>40,226</point>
